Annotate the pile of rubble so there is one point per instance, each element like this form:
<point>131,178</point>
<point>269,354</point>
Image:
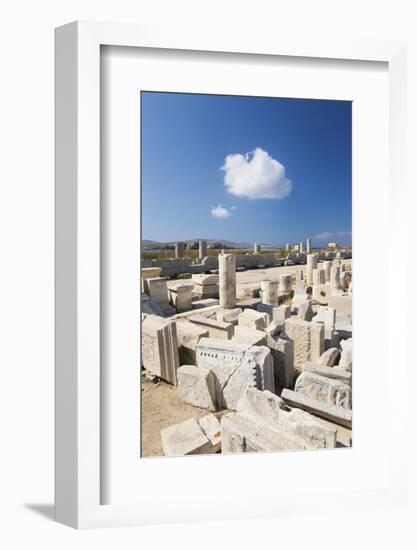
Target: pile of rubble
<point>271,375</point>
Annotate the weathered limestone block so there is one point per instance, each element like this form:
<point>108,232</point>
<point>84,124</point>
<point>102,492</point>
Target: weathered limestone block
<point>245,335</point>
<point>282,349</point>
<point>326,315</point>
<point>327,265</point>
<point>212,429</point>
<point>227,281</point>
<point>253,319</point>
<point>330,372</point>
<point>150,273</point>
<point>335,277</point>
<point>308,340</point>
<point>236,367</point>
<point>279,425</point>
<point>329,357</point>
<point>205,280</point>
<point>324,389</point>
<point>321,294</point>
<point>285,283</point>
<point>319,277</point>
<point>304,310</point>
<point>206,286</point>
<point>160,347</point>
<point>186,438</point>
<point>181,297</point>
<point>346,355</point>
<point>216,329</point>
<point>188,336</point>
<point>342,304</point>
<point>333,413</point>
<point>197,386</point>
<point>300,288</point>
<point>229,315</point>
<point>156,288</point>
<point>269,292</point>
<point>311,265</point>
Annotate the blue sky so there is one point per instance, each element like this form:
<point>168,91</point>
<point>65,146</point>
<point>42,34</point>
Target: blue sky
<point>245,169</point>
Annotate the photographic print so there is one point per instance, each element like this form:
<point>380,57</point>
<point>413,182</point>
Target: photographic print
<point>246,274</point>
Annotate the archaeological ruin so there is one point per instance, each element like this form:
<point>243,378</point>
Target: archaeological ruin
<point>253,350</point>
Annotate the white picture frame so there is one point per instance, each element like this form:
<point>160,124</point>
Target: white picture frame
<point>78,405</point>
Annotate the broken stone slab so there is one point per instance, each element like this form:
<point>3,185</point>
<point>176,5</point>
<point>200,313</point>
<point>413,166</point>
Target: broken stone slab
<point>342,304</point>
<point>197,386</point>
<point>282,349</point>
<point>205,280</point>
<point>346,355</point>
<point>186,438</point>
<point>325,389</point>
<point>295,428</point>
<point>188,336</point>
<point>331,372</point>
<point>321,293</point>
<point>212,429</point>
<point>236,367</point>
<point>245,335</point>
<point>304,310</point>
<point>229,315</point>
<point>160,347</point>
<point>326,315</point>
<point>216,329</point>
<point>329,357</point>
<point>308,340</point>
<point>333,413</point>
<point>253,319</point>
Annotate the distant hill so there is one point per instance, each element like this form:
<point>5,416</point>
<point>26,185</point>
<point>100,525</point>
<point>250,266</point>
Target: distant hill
<point>225,243</point>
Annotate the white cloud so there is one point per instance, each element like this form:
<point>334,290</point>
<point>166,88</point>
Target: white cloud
<point>220,211</point>
<point>256,175</point>
<point>328,235</point>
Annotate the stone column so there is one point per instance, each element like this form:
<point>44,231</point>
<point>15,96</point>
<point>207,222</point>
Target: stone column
<point>319,277</point>
<point>301,247</point>
<point>227,280</point>
<point>256,248</point>
<point>327,265</point>
<point>308,246</point>
<point>311,264</point>
<point>202,249</point>
<point>287,247</point>
<point>285,283</point>
<point>179,250</point>
<point>269,293</point>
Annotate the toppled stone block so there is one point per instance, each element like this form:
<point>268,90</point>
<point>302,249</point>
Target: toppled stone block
<point>150,273</point>
<point>245,335</point>
<point>324,389</point>
<point>346,355</point>
<point>236,367</point>
<point>216,329</point>
<point>197,386</point>
<point>282,349</point>
<point>229,315</point>
<point>333,413</point>
<point>188,336</point>
<point>329,357</point>
<point>160,347</point>
<point>330,372</point>
<point>308,340</point>
<point>253,319</point>
<point>156,288</point>
<point>205,280</point>
<point>321,293</point>
<point>181,297</point>
<point>212,429</point>
<point>186,438</point>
